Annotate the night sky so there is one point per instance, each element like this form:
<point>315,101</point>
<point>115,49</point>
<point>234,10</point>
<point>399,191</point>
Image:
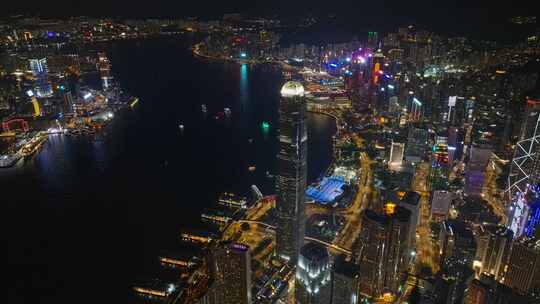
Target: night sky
<point>471,17</point>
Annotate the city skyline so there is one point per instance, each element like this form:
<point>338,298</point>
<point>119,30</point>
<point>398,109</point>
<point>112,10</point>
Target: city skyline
<point>254,155</point>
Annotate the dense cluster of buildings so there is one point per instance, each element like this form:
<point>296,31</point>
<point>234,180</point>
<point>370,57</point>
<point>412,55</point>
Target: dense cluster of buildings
<point>436,162</point>
<point>427,136</point>
<point>53,80</point>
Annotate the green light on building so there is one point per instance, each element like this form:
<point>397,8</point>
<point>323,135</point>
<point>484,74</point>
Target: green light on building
<point>265,126</point>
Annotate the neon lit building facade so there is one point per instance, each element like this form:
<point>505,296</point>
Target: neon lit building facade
<point>525,212</point>
<point>524,178</point>
<point>292,172</point>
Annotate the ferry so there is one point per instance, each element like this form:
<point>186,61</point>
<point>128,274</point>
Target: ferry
<point>134,102</point>
<point>7,161</point>
<point>232,200</point>
<point>33,145</point>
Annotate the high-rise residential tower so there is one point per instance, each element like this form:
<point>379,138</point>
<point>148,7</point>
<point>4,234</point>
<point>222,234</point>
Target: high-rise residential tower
<point>292,171</point>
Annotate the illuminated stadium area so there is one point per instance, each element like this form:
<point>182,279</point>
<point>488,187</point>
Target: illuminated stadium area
<point>327,191</point>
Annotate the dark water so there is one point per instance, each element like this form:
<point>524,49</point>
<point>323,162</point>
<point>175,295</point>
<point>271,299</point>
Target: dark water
<point>84,218</point>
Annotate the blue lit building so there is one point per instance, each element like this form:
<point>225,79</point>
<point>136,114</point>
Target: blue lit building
<point>329,189</point>
<point>533,216</point>
<point>524,212</point>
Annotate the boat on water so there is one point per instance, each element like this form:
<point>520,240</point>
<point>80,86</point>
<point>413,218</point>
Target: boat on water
<point>7,161</point>
<point>134,102</point>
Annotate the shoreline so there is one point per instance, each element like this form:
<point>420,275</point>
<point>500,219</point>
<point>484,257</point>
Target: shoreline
<point>337,121</point>
<point>195,51</point>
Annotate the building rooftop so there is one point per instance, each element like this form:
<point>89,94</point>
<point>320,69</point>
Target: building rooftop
<point>458,228</point>
<point>314,251</point>
<point>411,198</point>
<point>398,212</point>
<point>346,268</point>
<point>292,89</point>
<point>498,230</point>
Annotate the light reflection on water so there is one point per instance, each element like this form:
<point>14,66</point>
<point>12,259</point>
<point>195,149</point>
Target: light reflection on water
<point>94,193</point>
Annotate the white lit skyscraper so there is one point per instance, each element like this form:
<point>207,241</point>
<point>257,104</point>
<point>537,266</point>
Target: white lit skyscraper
<point>292,170</point>
<point>313,275</point>
<point>40,70</point>
<point>525,152</point>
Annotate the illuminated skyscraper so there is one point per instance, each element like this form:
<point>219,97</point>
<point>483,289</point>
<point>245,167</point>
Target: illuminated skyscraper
<point>231,271</point>
<point>416,146</point>
<point>457,244</point>
<point>524,177</point>
<point>291,177</point>
<point>493,249</point>
<point>382,254</point>
<point>313,275</point>
<point>40,70</point>
<point>526,151</point>
<point>523,272</point>
<point>395,159</point>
